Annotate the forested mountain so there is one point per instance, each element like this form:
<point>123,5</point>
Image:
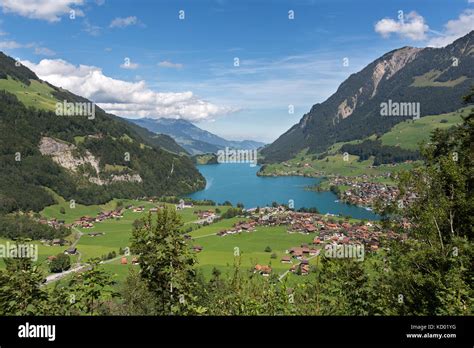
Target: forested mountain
<point>436,78</point>
<point>194,139</point>
<point>86,159</point>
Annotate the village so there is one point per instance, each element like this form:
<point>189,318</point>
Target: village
<point>366,192</point>
<point>326,230</point>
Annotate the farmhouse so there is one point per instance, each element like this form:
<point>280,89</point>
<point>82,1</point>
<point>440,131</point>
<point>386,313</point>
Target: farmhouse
<point>197,248</point>
<point>71,251</point>
<point>263,270</point>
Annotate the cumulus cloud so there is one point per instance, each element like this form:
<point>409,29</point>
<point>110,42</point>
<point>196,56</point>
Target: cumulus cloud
<point>454,29</point>
<point>411,26</point>
<point>168,64</point>
<point>123,98</point>
<point>124,22</point>
<point>49,10</point>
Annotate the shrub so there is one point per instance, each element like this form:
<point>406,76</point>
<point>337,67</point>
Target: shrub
<point>61,263</point>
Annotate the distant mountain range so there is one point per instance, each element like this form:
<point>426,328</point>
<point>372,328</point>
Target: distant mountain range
<point>194,139</point>
<point>433,78</point>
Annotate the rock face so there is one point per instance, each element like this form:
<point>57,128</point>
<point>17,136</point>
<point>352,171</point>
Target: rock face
<point>64,154</point>
<point>436,79</point>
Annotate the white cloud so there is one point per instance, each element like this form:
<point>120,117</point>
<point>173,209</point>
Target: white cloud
<point>168,64</point>
<point>129,99</point>
<point>49,10</point>
<point>454,29</point>
<point>412,26</point>
<point>44,51</point>
<point>120,22</point>
<point>5,45</point>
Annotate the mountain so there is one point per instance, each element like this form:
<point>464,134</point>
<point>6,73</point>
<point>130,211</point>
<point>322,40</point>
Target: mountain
<point>436,78</point>
<point>89,158</point>
<point>194,139</point>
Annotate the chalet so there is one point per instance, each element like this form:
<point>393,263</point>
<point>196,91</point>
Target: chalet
<point>58,241</point>
<point>95,234</point>
<point>123,261</point>
<point>286,259</point>
<point>135,261</point>
<point>71,251</point>
<point>138,209</point>
<point>263,270</point>
<point>197,248</point>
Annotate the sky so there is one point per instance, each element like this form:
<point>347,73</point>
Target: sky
<point>242,69</point>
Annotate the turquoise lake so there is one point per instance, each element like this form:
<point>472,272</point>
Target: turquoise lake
<point>239,183</point>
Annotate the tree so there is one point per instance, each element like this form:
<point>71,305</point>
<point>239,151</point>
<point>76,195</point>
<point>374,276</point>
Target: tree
<point>60,263</point>
<point>62,210</point>
<point>20,291</point>
<point>166,262</point>
<point>91,289</point>
<point>430,274</point>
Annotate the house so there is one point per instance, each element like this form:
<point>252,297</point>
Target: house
<point>58,241</point>
<point>135,261</point>
<point>263,270</point>
<point>71,251</point>
<point>197,248</point>
<point>286,259</point>
<point>95,234</point>
<point>123,261</point>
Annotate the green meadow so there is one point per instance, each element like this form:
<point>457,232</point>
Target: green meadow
<point>217,251</point>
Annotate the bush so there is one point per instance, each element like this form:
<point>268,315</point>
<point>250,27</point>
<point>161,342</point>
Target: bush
<point>62,210</point>
<point>61,263</point>
<point>268,249</point>
<point>273,256</point>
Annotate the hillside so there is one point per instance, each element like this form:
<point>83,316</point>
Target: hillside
<point>402,141</point>
<point>88,159</point>
<point>426,76</point>
<point>194,139</point>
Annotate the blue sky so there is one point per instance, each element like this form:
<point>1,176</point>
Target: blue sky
<point>185,67</point>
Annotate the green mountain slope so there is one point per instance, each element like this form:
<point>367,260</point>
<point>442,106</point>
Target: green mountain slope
<point>86,160</point>
<point>425,76</point>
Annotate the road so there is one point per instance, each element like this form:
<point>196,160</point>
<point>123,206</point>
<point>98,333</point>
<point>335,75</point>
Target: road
<point>286,272</point>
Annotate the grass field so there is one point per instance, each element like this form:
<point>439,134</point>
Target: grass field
<point>219,251</point>
<point>407,135</point>
<point>37,94</point>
